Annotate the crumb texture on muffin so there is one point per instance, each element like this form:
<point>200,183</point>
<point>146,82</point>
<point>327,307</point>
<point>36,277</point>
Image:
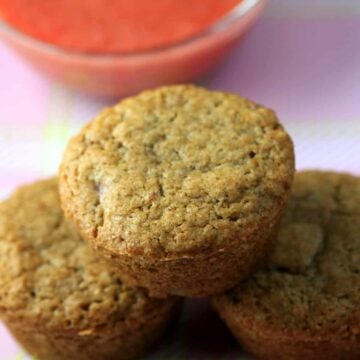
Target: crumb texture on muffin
<point>309,290</point>
<point>49,276</point>
<point>176,170</point>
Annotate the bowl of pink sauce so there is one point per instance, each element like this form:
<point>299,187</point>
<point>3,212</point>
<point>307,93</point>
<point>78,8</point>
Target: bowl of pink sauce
<point>119,47</point>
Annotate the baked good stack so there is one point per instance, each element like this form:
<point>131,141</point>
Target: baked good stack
<point>178,192</point>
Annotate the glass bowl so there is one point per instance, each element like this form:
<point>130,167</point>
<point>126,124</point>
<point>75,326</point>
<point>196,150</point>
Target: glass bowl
<point>118,75</point>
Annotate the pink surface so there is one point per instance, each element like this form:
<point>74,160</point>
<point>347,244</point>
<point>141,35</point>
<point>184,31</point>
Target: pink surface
<point>306,69</point>
<point>8,348</point>
<point>23,92</point>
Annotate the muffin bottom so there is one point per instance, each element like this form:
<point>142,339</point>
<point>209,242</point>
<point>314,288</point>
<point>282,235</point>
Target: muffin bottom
<point>193,275</point>
<point>269,344</point>
<point>122,341</point>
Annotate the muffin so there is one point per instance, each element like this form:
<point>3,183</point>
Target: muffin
<point>179,187</point>
<point>305,302</point>
<point>58,300</point>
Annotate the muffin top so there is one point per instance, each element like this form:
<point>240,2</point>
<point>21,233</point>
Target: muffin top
<point>176,170</point>
<point>50,277</point>
<point>311,282</point>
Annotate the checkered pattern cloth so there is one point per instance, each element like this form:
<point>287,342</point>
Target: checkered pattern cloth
<point>302,59</point>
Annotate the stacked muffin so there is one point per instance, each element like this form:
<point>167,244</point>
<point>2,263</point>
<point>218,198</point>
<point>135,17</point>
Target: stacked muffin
<point>57,298</point>
<point>179,192</point>
<point>304,302</point>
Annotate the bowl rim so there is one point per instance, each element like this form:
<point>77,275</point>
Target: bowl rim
<point>240,11</point>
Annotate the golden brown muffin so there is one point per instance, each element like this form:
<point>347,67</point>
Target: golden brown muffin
<point>58,300</point>
<point>179,187</point>
<point>305,303</point>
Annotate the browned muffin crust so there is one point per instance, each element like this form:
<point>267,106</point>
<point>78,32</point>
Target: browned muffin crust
<point>56,297</point>
<point>175,178</point>
<point>305,303</point>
